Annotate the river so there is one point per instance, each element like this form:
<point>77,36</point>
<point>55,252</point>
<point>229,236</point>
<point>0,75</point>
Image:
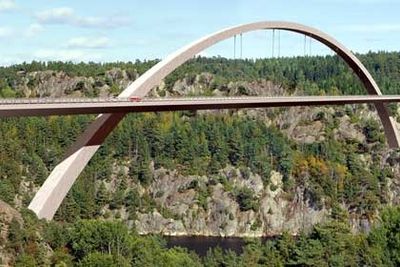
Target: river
<point>201,244</point>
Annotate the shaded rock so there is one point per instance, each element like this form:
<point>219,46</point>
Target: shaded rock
<point>155,223</point>
<point>349,131</point>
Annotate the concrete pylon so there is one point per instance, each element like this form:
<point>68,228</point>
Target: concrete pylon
<point>50,195</point>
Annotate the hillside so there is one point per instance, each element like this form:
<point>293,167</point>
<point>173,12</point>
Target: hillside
<point>312,172</point>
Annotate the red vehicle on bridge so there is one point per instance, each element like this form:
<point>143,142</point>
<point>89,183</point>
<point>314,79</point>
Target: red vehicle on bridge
<point>135,99</point>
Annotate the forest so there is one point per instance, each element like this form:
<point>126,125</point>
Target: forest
<point>90,242</point>
<point>332,173</point>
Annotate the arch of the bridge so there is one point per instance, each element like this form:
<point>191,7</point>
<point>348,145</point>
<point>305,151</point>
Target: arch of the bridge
<point>57,185</point>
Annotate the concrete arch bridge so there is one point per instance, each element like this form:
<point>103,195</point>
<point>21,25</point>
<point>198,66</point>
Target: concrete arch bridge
<point>51,194</point>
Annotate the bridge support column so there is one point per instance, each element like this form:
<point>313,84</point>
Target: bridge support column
<point>50,195</point>
<point>389,125</point>
<point>55,188</point>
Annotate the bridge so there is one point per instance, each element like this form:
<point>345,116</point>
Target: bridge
<point>65,106</point>
<point>55,188</point>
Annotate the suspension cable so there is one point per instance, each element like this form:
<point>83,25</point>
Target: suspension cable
<point>273,42</point>
<point>241,46</point>
<point>279,44</point>
<point>267,44</point>
<point>234,46</point>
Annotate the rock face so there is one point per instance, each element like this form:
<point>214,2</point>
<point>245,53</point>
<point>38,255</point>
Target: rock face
<point>348,131</point>
<point>155,223</point>
<point>292,216</point>
<point>202,83</point>
<point>7,214</point>
<point>221,214</point>
<point>58,84</point>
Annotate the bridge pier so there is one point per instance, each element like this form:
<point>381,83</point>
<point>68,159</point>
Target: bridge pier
<point>57,185</point>
<point>55,188</point>
<point>389,125</point>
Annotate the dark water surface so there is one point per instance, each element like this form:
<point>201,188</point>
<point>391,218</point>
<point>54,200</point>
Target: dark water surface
<point>201,244</point>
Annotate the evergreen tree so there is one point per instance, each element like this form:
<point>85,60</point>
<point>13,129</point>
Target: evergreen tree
<point>102,195</point>
<point>235,147</point>
<point>15,237</point>
<point>140,165</point>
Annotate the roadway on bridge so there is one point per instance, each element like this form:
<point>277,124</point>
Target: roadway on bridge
<point>88,106</point>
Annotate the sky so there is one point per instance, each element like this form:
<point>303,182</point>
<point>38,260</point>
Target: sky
<point>126,30</point>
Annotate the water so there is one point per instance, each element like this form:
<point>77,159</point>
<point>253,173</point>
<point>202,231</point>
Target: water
<point>201,244</point>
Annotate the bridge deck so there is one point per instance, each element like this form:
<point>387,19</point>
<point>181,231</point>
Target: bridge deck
<point>40,107</point>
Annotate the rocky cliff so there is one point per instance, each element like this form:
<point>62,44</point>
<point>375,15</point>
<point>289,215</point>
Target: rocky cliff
<point>222,215</point>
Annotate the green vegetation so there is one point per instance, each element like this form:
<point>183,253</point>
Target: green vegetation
<point>110,243</point>
<point>246,199</point>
